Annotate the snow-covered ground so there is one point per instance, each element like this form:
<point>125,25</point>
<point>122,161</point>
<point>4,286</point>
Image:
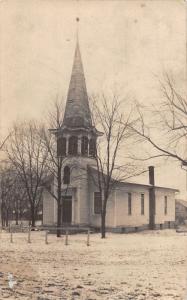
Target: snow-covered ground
<point>147,265</point>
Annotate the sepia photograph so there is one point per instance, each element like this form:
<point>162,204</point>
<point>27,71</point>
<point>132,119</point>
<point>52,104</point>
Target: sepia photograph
<point>93,149</point>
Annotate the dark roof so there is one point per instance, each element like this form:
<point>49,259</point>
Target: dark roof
<point>125,183</point>
<point>77,111</point>
<point>182,202</point>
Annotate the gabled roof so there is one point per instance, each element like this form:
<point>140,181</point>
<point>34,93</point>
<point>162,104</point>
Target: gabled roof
<point>182,202</point>
<point>77,111</point>
<point>120,184</point>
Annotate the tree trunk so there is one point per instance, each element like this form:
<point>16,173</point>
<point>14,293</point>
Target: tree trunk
<point>16,212</point>
<point>59,208</point>
<point>32,217</point>
<point>103,217</point>
<point>103,227</point>
<point>2,216</point>
<point>59,216</point>
<point>7,217</point>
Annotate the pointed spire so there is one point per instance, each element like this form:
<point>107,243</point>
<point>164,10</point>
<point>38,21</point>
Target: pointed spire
<point>77,19</point>
<point>77,111</point>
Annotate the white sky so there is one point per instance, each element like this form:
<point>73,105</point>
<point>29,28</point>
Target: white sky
<point>124,45</point>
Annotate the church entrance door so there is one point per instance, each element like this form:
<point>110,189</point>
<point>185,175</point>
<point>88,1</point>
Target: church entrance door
<point>67,209</point>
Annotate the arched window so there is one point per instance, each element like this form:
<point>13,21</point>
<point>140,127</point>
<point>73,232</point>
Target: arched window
<point>61,146</point>
<point>66,178</point>
<point>84,145</point>
<point>92,149</point>
<point>73,145</point>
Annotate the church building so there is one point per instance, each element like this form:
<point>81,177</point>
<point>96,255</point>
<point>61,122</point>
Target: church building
<point>129,207</point>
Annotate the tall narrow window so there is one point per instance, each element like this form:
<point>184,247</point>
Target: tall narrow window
<point>142,204</point>
<point>61,146</point>
<point>66,178</point>
<point>84,145</point>
<point>97,203</point>
<point>165,205</point>
<point>129,204</point>
<point>92,149</point>
<point>73,145</point>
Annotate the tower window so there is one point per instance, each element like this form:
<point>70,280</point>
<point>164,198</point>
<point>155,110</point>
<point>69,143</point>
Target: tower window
<point>61,146</point>
<point>66,178</point>
<point>129,204</point>
<point>84,145</point>
<point>73,145</point>
<point>97,203</point>
<point>92,149</point>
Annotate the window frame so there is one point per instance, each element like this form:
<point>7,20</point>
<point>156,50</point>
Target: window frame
<point>142,204</point>
<point>129,204</point>
<point>99,207</point>
<point>165,205</point>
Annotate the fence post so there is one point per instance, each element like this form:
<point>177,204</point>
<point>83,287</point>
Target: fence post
<point>29,235</point>
<point>11,235</point>
<point>88,238</point>
<point>66,240</point>
<point>46,236</point>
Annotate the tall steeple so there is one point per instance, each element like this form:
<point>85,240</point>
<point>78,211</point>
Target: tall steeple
<point>77,111</point>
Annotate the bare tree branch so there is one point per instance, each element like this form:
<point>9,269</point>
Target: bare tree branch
<point>170,121</point>
<point>108,115</point>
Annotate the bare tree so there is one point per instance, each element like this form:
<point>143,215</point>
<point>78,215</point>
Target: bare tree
<point>166,133</point>
<point>3,143</point>
<point>56,159</point>
<point>27,154</point>
<point>6,184</point>
<point>109,117</point>
<point>12,195</point>
<point>20,199</point>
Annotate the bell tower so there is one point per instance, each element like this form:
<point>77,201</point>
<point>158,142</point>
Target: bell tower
<point>77,132</point>
<point>76,142</point>
<point>77,136</point>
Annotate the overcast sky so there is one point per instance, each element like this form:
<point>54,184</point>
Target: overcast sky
<point>124,45</point>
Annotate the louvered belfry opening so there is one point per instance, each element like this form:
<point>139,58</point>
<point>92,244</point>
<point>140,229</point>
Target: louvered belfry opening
<point>84,145</point>
<point>73,145</point>
<point>61,146</point>
<point>92,147</point>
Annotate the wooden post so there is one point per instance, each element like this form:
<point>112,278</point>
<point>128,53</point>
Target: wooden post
<point>11,236</point>
<point>88,238</point>
<point>29,235</point>
<point>66,240</point>
<point>46,236</point>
